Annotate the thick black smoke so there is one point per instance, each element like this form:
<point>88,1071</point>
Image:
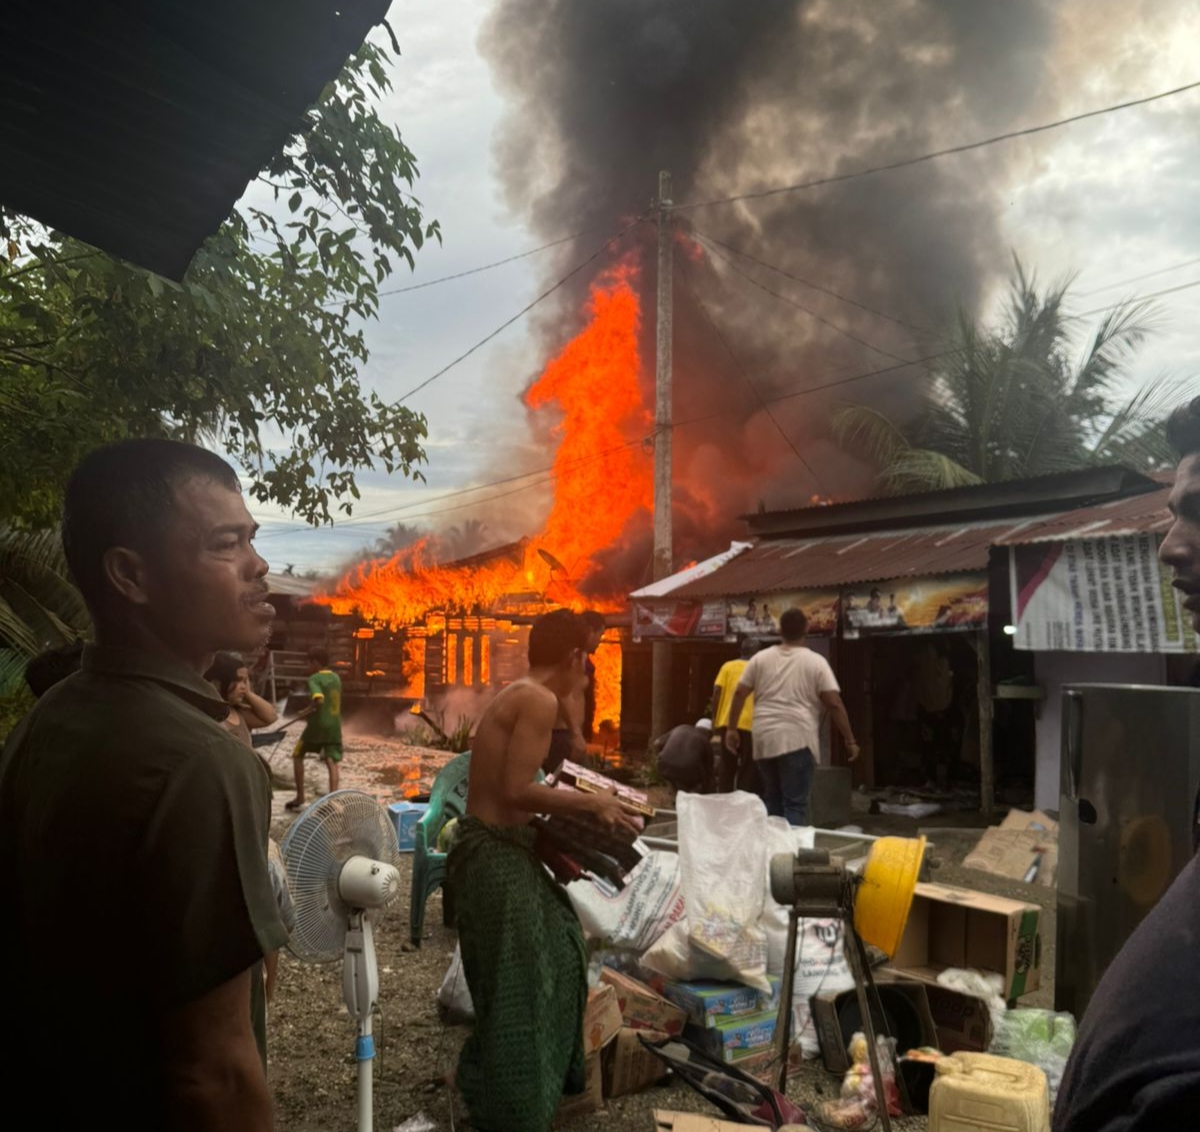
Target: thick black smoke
<point>733,96</point>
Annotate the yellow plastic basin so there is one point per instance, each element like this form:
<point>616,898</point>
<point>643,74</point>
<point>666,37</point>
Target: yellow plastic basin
<point>885,895</point>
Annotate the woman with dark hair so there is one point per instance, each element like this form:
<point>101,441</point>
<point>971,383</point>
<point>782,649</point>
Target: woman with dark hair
<point>230,675</point>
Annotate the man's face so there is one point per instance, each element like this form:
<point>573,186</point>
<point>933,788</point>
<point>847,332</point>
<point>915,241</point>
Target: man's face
<point>1181,548</point>
<point>205,584</point>
<point>593,640</point>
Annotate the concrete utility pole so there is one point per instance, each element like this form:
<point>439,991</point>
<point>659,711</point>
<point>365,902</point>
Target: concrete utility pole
<point>660,696</point>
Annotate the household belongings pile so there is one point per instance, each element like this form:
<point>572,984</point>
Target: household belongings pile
<point>692,949</point>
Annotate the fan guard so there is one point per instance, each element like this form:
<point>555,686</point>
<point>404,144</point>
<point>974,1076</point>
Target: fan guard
<point>345,824</point>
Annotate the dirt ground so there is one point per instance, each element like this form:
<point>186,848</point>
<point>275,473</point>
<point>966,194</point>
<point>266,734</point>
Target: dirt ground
<point>311,1039</point>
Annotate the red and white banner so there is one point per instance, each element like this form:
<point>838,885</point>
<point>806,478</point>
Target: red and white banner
<point>1097,595</point>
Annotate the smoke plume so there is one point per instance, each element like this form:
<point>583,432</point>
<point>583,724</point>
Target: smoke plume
<point>733,96</point>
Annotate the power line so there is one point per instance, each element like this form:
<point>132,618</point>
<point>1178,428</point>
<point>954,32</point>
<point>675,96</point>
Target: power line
<point>837,178</point>
<point>486,266</point>
<point>404,512</point>
<point>1137,278</point>
<point>525,309</point>
<point>800,306</point>
<point>746,377</point>
<point>809,283</point>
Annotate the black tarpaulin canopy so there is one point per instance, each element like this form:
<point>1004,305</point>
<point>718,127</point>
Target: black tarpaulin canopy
<point>135,125</point>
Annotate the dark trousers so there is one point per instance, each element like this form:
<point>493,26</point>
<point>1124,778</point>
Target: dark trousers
<point>737,771</point>
<point>786,782</point>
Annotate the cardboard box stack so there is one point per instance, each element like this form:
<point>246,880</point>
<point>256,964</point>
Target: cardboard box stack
<point>733,1022</point>
<point>601,1025</point>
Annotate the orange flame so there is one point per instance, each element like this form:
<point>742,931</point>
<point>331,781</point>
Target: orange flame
<point>602,483</point>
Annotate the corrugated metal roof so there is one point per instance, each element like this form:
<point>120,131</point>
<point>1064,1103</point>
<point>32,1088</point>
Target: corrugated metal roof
<point>813,563</point>
<point>135,126</point>
<point>693,573</point>
<point>1138,515</point>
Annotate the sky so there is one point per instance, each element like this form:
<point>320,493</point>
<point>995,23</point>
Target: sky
<point>1108,199</point>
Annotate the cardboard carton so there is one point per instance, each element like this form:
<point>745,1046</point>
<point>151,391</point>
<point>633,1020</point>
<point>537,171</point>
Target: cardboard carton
<point>956,927</point>
<point>628,1067</point>
<point>1034,820</point>
<point>730,1037</point>
<point>668,1121</point>
<point>641,1008</point>
<point>601,1018</point>
<point>1020,842</point>
<point>705,1002</point>
<point>592,1097</point>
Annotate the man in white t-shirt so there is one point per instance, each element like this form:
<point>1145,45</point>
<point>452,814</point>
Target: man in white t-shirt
<point>792,687</point>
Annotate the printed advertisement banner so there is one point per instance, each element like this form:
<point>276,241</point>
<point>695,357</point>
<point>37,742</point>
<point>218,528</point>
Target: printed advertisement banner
<point>759,616</point>
<point>1097,595</point>
<point>921,605</point>
<point>678,619</point>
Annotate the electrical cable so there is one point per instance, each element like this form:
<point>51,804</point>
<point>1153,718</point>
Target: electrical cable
<point>525,309</point>
<point>807,310</point>
<point>808,282</point>
<point>966,147</point>
<point>642,441</point>
<point>1137,278</point>
<point>486,266</point>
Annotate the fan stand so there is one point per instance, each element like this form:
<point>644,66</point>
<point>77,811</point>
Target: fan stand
<point>823,890</point>
<point>360,991</point>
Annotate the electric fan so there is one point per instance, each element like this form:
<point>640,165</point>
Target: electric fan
<point>873,907</point>
<point>341,858</point>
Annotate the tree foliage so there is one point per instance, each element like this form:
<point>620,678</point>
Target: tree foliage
<point>40,607</point>
<point>257,351</point>
<point>1012,403</point>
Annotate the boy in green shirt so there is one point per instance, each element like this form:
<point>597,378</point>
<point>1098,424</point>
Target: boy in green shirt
<point>323,732</point>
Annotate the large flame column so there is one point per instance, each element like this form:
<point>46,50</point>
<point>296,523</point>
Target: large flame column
<point>660,696</point>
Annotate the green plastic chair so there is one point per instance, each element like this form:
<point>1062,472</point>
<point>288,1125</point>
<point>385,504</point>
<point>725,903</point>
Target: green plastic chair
<point>447,801</point>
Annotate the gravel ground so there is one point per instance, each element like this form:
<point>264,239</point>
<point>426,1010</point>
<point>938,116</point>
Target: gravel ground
<point>311,1037</point>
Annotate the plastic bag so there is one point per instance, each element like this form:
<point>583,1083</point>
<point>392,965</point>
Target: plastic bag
<point>820,966</point>
<point>723,865</point>
<point>820,957</point>
<point>1039,1037</point>
<point>651,902</point>
<point>985,985</point>
<point>454,997</point>
<point>781,838</point>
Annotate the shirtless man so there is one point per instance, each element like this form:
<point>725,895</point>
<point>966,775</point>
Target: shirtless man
<point>522,946</point>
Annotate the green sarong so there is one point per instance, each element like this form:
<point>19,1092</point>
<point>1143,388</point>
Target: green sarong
<point>526,967</point>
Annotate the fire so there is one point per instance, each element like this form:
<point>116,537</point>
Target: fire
<point>602,484</point>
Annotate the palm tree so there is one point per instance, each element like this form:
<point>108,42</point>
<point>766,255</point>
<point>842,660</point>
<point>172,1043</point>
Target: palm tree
<point>398,537</point>
<point>40,607</point>
<point>1011,403</point>
<point>465,540</point>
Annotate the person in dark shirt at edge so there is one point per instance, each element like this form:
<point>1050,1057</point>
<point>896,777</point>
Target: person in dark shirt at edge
<point>1136,1063</point>
<point>130,819</point>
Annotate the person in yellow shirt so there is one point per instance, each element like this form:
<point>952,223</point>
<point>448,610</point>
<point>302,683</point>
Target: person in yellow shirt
<point>737,770</point>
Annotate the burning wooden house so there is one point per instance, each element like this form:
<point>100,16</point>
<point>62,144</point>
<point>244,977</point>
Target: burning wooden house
<point>419,628</point>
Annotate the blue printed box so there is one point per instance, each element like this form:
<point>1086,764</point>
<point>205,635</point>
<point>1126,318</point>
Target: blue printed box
<point>732,1039</point>
<point>708,1003</point>
<point>405,816</point>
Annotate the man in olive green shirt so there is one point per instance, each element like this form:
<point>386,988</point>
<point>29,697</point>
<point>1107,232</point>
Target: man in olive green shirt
<point>133,828</point>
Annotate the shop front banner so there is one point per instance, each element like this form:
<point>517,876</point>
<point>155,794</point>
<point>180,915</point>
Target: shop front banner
<point>916,605</point>
<point>759,616</point>
<point>678,619</point>
<point>1097,595</point>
